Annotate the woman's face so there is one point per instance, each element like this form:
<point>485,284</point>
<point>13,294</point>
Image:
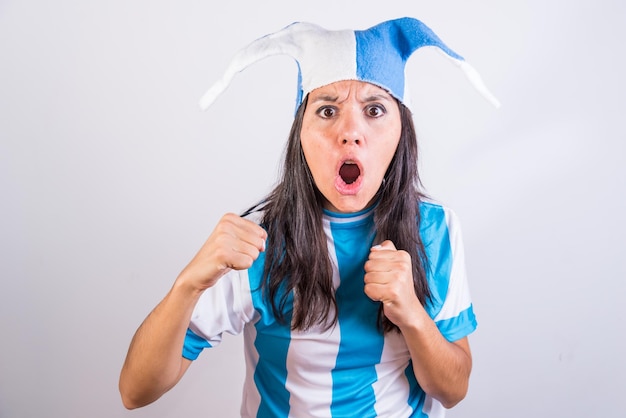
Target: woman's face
<point>350,132</point>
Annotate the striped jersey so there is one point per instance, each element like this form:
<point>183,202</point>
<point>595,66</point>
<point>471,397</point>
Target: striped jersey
<point>351,369</point>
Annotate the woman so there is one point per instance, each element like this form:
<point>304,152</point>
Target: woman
<point>349,289</point>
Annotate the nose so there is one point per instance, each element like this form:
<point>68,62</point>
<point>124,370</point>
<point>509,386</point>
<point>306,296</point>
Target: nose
<point>351,130</point>
<point>351,140</point>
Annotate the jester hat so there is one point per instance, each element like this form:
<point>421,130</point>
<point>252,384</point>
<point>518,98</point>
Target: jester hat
<point>377,55</point>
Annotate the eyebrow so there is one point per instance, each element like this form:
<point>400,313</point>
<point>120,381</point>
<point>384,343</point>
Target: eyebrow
<point>378,97</point>
<point>325,98</point>
<point>368,99</point>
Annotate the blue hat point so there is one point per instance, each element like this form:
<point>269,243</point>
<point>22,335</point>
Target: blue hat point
<point>377,55</point>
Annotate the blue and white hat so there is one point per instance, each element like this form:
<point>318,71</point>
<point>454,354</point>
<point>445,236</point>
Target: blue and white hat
<point>376,55</point>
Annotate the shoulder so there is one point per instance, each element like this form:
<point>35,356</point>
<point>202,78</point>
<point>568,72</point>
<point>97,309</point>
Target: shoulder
<point>436,219</point>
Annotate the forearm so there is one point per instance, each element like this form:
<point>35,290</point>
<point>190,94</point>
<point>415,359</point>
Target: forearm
<point>442,368</point>
<point>154,362</point>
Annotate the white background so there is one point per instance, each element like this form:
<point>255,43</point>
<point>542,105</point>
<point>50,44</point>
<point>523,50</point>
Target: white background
<point>111,178</point>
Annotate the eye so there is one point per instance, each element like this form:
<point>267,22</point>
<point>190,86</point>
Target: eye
<point>375,110</point>
<point>326,112</point>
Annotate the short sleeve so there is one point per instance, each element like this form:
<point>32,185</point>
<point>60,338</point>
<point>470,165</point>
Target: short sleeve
<point>194,344</point>
<point>450,305</point>
<point>225,307</point>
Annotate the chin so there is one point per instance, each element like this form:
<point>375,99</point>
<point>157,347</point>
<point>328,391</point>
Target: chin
<point>348,204</point>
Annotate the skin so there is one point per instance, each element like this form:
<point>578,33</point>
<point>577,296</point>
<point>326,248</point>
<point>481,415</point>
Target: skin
<point>441,367</point>
<point>350,121</point>
<point>357,121</point>
<point>345,121</point>
<point>154,363</point>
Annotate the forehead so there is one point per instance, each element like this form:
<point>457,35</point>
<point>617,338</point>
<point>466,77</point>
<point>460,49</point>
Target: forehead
<point>343,89</point>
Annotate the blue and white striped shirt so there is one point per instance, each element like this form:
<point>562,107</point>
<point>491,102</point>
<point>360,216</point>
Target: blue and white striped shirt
<point>351,369</point>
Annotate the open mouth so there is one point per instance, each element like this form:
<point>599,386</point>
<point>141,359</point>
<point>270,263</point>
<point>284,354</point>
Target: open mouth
<point>349,172</point>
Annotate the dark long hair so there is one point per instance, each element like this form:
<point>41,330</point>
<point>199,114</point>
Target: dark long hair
<point>297,262</point>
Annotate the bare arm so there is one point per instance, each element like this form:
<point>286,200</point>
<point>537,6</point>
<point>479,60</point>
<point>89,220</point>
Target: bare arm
<point>154,363</point>
<point>442,368</point>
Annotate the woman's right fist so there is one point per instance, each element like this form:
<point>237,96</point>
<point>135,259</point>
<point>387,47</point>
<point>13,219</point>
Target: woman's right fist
<point>234,244</point>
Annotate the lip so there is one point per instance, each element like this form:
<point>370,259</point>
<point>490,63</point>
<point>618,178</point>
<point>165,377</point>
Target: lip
<point>354,187</point>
